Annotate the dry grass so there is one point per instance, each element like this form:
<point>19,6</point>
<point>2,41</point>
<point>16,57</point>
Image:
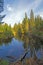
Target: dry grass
<point>30,61</point>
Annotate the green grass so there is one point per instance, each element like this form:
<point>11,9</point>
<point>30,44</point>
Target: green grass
<point>3,62</point>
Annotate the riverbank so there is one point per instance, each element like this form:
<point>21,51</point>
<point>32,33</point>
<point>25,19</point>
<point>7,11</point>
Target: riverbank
<point>3,62</point>
<point>6,36</point>
<point>5,32</point>
<point>29,61</point>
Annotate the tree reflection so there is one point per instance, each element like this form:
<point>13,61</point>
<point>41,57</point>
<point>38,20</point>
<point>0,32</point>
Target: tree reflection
<point>6,42</point>
<point>33,44</point>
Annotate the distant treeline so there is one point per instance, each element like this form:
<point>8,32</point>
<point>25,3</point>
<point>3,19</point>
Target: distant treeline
<point>29,25</point>
<point>5,32</point>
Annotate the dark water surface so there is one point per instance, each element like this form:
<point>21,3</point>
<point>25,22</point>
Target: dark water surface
<point>16,49</point>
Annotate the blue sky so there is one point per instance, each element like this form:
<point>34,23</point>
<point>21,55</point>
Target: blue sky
<point>15,9</point>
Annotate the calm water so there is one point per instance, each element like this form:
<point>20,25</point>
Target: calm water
<point>13,48</point>
<point>16,49</point>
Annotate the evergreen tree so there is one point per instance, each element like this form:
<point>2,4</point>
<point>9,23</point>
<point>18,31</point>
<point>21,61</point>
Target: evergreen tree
<point>32,21</point>
<point>25,24</point>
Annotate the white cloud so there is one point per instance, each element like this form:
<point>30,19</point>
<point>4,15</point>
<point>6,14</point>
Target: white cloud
<point>17,15</point>
<point>35,4</point>
<point>10,8</point>
<point>13,18</point>
<point>40,13</point>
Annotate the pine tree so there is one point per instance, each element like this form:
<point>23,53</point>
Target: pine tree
<point>32,21</point>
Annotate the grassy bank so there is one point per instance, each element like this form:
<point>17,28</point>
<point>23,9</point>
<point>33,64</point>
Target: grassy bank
<point>29,61</point>
<point>3,62</point>
<point>5,32</point>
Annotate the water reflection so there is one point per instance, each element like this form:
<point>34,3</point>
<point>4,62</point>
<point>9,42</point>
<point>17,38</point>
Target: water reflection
<point>5,41</point>
<point>34,44</point>
<point>16,47</point>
